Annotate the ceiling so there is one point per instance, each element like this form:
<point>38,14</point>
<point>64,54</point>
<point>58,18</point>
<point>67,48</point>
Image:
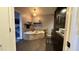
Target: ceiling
<point>39,10</point>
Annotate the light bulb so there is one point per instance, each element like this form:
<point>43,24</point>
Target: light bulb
<point>34,14</point>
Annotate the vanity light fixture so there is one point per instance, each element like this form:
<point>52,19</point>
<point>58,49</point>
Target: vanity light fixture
<point>63,11</point>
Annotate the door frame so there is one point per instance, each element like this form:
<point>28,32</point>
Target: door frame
<point>71,32</point>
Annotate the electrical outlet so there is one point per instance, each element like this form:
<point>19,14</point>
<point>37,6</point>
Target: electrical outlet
<point>68,44</point>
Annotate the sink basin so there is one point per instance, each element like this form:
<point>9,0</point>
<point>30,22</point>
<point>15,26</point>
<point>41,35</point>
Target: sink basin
<point>60,33</point>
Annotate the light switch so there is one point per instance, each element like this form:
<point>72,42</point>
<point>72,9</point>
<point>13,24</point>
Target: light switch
<point>0,45</point>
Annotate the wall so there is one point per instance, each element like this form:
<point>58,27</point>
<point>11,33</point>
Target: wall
<point>78,30</point>
<point>47,22</point>
<point>74,37</point>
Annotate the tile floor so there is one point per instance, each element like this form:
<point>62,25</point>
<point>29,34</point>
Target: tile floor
<point>34,45</point>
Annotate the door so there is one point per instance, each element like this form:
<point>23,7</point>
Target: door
<point>7,32</point>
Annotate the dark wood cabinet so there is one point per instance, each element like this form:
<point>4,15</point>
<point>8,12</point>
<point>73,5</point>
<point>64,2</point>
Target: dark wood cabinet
<point>57,41</point>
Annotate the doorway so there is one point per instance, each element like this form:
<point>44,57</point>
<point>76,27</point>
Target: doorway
<point>28,25</point>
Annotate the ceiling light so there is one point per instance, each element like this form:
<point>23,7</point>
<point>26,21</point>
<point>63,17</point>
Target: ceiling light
<point>34,9</point>
<point>34,12</point>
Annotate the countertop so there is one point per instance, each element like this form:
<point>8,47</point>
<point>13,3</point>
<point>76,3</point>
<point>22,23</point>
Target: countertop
<point>61,34</point>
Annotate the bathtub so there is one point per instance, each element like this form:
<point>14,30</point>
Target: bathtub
<point>33,35</point>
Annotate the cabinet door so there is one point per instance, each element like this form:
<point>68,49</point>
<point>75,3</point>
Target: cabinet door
<point>6,39</point>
